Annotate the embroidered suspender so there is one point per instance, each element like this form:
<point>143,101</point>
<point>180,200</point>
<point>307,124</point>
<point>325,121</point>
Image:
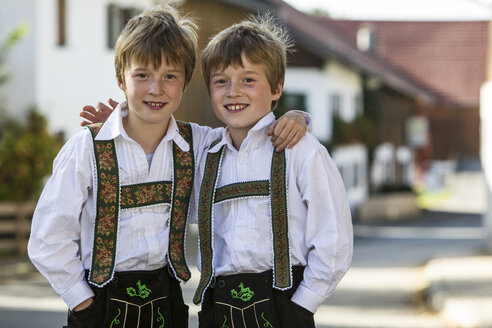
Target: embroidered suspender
<point>278,194</point>
<point>205,221</point>
<point>282,275</point>
<point>184,172</point>
<point>111,197</point>
<point>107,210</point>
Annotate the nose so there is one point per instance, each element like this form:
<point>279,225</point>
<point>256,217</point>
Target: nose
<point>235,89</point>
<point>156,88</point>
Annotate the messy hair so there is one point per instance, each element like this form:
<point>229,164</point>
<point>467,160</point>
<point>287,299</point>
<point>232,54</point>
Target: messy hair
<point>159,31</point>
<point>260,38</point>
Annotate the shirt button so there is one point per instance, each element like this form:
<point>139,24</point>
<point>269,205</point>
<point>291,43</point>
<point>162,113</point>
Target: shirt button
<point>221,283</point>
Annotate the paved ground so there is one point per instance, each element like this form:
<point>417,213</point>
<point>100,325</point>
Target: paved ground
<point>404,275</point>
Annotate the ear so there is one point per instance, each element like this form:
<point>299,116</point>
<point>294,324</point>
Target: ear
<point>121,84</point>
<point>278,92</point>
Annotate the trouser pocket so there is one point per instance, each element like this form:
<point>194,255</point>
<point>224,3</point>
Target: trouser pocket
<point>92,316</point>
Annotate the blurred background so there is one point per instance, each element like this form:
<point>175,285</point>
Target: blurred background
<point>398,91</point>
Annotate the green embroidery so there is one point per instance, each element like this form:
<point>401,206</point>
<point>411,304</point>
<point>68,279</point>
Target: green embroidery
<point>266,324</point>
<point>143,291</point>
<point>224,324</point>
<point>205,221</point>
<point>242,189</point>
<point>244,294</point>
<point>145,194</point>
<point>282,274</point>
<point>115,320</point>
<point>161,317</point>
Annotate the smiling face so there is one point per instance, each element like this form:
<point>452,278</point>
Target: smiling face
<point>153,93</point>
<point>241,96</point>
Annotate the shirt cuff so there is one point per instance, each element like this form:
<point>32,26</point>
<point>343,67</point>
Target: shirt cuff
<point>306,298</point>
<point>77,294</point>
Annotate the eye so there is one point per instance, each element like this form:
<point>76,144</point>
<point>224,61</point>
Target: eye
<point>171,76</point>
<point>248,80</point>
<point>141,75</point>
<point>219,81</point>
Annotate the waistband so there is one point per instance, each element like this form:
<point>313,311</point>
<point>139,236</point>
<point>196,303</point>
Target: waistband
<point>163,274</point>
<point>265,276</point>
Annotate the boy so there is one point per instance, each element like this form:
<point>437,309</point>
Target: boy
<point>108,231</point>
<point>274,228</point>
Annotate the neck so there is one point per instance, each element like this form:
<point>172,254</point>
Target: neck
<point>148,136</point>
<point>238,137</point>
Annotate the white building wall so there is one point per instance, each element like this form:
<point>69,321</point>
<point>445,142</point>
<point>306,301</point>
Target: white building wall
<point>18,94</point>
<point>82,71</point>
<point>318,85</point>
<point>352,162</point>
<point>59,80</point>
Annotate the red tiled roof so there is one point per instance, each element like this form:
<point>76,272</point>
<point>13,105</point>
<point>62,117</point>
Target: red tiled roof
<point>449,57</point>
<point>329,42</point>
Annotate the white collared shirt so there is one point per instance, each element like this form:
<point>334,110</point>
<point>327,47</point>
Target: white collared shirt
<point>61,239</point>
<point>320,225</point>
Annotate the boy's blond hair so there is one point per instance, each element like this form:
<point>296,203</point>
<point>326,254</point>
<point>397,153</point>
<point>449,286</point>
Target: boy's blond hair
<point>157,31</point>
<point>261,39</point>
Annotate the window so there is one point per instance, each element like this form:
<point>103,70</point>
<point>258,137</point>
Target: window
<point>359,106</point>
<point>336,104</point>
<point>117,18</point>
<point>62,8</point>
<point>289,101</point>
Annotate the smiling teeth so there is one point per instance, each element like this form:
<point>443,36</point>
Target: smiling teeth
<point>154,104</point>
<point>235,107</point>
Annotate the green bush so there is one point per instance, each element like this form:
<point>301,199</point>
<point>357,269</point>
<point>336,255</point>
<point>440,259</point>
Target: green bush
<point>26,156</point>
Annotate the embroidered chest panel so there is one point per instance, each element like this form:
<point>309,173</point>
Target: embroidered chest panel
<point>276,188</point>
<point>111,197</point>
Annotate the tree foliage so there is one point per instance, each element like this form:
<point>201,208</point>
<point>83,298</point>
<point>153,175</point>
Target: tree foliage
<point>27,149</point>
<point>26,155</point>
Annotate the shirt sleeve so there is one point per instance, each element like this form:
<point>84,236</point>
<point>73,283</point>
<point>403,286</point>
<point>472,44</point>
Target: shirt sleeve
<point>55,232</point>
<point>328,233</point>
<point>306,116</point>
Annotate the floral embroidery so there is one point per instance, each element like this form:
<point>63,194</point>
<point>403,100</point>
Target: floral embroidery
<point>107,207</point>
<point>278,197</point>
<point>266,323</point>
<point>282,273</point>
<point>146,194</point>
<point>184,170</point>
<point>244,294</point>
<point>242,189</point>
<point>115,319</point>
<point>142,292</point>
<point>109,202</point>
<point>205,221</point>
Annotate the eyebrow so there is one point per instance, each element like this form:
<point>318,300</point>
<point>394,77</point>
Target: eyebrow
<point>246,72</point>
<point>143,68</point>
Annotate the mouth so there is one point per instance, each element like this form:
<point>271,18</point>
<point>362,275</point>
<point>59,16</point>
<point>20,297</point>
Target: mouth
<point>235,107</point>
<point>154,105</point>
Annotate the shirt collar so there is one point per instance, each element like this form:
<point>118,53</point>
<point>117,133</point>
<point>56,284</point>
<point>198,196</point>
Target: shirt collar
<point>259,127</point>
<point>113,128</point>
